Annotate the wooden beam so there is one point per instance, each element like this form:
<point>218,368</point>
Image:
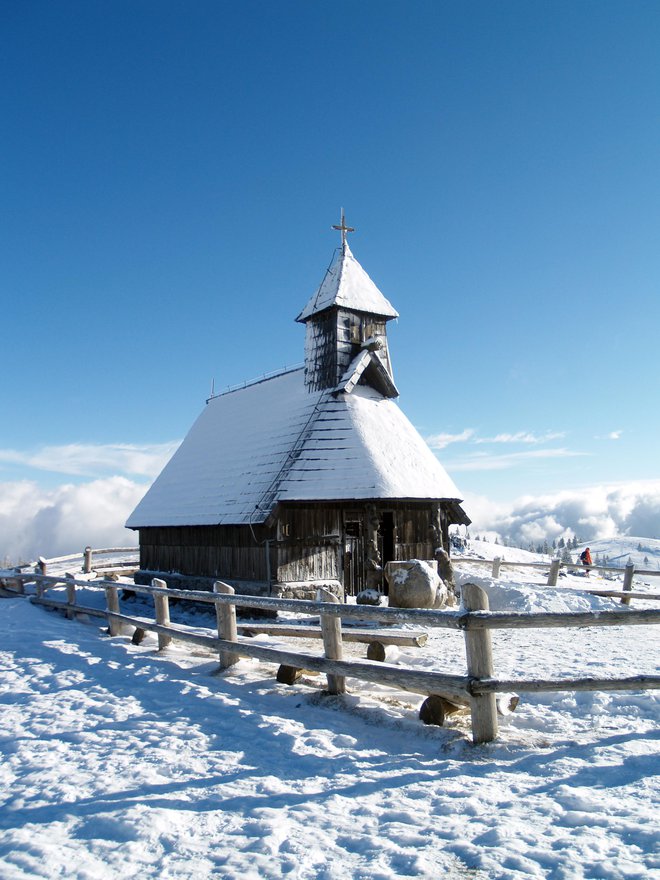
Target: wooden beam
<point>627,583</point>
<point>63,606</point>
<point>363,613</point>
<point>70,599</point>
<point>479,654</point>
<point>332,644</point>
<point>553,573</point>
<point>455,687</point>
<point>539,685</point>
<point>559,619</point>
<point>112,604</point>
<point>226,617</point>
<point>619,594</point>
<point>162,603</point>
<point>364,636</point>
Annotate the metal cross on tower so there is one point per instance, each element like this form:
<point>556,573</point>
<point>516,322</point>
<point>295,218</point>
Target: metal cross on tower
<point>343,228</point>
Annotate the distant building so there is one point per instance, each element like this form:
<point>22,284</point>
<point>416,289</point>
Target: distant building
<point>311,476</point>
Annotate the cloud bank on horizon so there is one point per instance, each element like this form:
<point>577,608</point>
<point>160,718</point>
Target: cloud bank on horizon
<point>39,521</point>
<point>588,513</point>
<point>36,522</point>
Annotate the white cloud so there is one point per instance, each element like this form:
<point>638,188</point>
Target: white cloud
<point>611,435</point>
<point>36,522</point>
<point>80,459</point>
<point>591,513</point>
<point>482,461</point>
<point>439,441</point>
<point>523,437</point>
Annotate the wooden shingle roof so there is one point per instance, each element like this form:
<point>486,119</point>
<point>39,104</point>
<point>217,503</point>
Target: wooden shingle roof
<point>273,441</point>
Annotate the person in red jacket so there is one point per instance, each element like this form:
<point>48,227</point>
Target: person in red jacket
<point>585,559</point>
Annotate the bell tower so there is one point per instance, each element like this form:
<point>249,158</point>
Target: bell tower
<point>345,321</point>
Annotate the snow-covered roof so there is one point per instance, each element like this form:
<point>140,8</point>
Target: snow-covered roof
<point>347,285</point>
<point>363,363</point>
<point>274,441</point>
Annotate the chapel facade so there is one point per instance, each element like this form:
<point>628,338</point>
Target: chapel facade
<point>310,477</point>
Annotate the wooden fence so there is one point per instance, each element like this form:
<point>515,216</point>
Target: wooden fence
<point>554,566</point>
<point>476,689</point>
<point>89,559</point>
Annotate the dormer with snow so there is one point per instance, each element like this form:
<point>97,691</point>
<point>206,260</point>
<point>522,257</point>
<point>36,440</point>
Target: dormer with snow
<point>346,335</point>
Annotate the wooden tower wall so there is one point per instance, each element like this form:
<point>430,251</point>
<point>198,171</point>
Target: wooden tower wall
<point>333,339</point>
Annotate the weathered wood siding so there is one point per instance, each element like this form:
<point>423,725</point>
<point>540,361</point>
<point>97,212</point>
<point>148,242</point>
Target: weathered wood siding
<point>413,537</point>
<point>333,339</point>
<point>320,541</point>
<point>207,551</point>
<point>308,544</point>
<point>320,351</point>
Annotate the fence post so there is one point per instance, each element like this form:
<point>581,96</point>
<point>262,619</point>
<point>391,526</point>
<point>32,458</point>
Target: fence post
<point>496,567</point>
<point>226,617</point>
<point>42,565</point>
<point>479,652</point>
<point>112,606</point>
<point>332,641</point>
<point>70,598</point>
<point>628,582</point>
<point>87,560</point>
<point>162,604</point>
<point>554,573</point>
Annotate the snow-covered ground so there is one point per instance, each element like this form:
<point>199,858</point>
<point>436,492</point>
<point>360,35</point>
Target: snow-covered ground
<point>644,553</point>
<point>119,761</point>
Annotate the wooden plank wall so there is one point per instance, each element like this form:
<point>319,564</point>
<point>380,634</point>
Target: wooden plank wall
<point>413,537</point>
<point>302,552</point>
<point>320,352</point>
<point>302,548</point>
<point>333,340</point>
<point>207,551</point>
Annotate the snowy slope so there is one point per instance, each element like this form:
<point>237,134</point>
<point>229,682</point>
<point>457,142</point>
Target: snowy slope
<point>620,550</point>
<point>118,761</point>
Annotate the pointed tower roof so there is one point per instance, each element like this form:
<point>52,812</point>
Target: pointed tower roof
<point>346,285</point>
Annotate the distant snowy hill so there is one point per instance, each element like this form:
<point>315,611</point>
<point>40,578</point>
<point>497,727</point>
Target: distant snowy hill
<point>644,553</point>
<point>490,550</point>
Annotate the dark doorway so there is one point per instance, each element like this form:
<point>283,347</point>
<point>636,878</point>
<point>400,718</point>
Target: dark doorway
<point>386,541</point>
<point>353,557</point>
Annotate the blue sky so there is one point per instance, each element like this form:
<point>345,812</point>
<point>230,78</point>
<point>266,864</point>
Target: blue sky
<point>170,172</point>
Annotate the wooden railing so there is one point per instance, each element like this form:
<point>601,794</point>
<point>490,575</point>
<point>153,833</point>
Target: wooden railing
<point>554,566</point>
<point>89,554</point>
<point>86,559</point>
<point>476,689</point>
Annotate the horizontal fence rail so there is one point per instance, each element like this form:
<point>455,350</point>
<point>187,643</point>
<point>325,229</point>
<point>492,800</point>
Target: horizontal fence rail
<point>578,566</point>
<point>476,690</point>
<point>554,566</point>
<point>585,683</point>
